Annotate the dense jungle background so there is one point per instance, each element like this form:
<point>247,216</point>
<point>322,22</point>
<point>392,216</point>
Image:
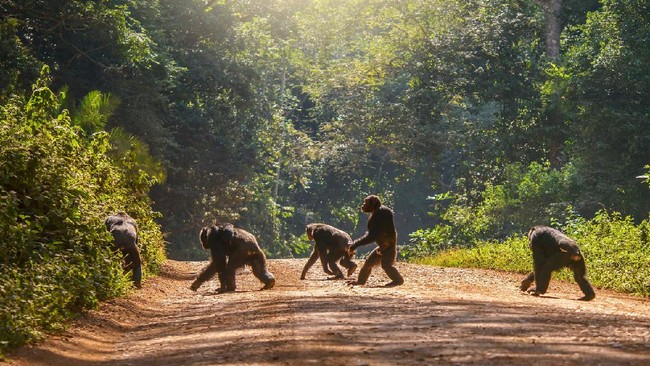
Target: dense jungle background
<point>473,120</point>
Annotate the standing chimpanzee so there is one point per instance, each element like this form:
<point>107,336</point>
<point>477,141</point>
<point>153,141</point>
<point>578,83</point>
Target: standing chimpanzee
<point>231,248</point>
<point>381,229</point>
<point>125,238</point>
<point>553,250</point>
<point>331,244</point>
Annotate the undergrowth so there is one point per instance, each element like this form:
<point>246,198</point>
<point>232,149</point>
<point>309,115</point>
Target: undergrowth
<point>616,250</point>
<point>56,187</point>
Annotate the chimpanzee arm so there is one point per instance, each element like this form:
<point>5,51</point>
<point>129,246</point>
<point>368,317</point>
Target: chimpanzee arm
<point>374,230</point>
<point>310,262</point>
<point>207,273</point>
<point>525,284</point>
<point>261,271</point>
<point>366,239</point>
<point>580,275</point>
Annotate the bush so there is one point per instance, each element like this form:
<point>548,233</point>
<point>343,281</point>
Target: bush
<point>532,195</point>
<point>616,250</point>
<point>56,188</point>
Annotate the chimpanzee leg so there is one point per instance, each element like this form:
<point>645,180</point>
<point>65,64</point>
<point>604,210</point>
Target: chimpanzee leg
<point>323,252</point>
<point>206,273</point>
<point>230,272</point>
<point>580,275</point>
<point>310,262</point>
<point>332,257</point>
<point>543,274</point>
<point>223,284</point>
<point>373,259</point>
<point>525,284</point>
<point>260,270</point>
<point>348,264</point>
<point>229,280</point>
<point>133,262</point>
<point>388,258</point>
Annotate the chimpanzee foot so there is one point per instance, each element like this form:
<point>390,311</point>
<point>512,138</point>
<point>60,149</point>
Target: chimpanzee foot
<point>525,284</point>
<point>351,270</point>
<point>337,277</point>
<point>394,283</point>
<point>195,285</point>
<point>587,298</point>
<point>534,292</point>
<point>269,285</point>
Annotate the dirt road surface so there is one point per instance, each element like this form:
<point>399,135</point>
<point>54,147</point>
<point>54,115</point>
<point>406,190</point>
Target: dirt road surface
<point>440,316</point>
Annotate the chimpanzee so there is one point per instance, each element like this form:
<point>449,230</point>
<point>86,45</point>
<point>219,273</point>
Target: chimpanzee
<point>331,244</point>
<point>381,229</point>
<point>125,238</point>
<point>231,248</point>
<point>553,250</point>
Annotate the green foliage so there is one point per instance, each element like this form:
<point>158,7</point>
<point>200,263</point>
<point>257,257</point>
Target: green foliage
<point>94,110</point>
<point>607,58</point>
<point>271,114</point>
<point>56,188</point>
<point>617,252</point>
<point>537,194</point>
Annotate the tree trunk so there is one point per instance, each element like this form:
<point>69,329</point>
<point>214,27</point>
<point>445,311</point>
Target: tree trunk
<point>552,9</point>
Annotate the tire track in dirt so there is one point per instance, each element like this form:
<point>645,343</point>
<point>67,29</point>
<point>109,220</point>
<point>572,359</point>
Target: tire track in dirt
<point>441,316</point>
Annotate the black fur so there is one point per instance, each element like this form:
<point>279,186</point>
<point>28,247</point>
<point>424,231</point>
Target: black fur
<point>231,248</point>
<point>553,250</point>
<point>125,238</point>
<point>331,244</point>
<point>381,229</point>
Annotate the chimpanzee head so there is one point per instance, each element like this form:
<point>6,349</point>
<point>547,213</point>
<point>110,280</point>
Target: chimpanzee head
<point>310,231</point>
<point>530,232</point>
<point>371,204</point>
<point>217,235</point>
<point>203,236</point>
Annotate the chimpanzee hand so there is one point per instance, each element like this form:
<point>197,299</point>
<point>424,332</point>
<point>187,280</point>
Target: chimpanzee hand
<point>587,298</point>
<point>269,284</point>
<point>533,291</point>
<point>525,284</point>
<point>351,251</point>
<point>195,285</point>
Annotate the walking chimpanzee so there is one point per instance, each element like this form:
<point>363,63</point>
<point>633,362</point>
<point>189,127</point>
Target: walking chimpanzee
<point>125,238</point>
<point>553,250</point>
<point>331,244</point>
<point>381,229</point>
<point>231,248</point>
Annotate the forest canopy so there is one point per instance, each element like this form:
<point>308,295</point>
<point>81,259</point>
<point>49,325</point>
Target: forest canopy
<point>473,120</point>
<point>483,116</point>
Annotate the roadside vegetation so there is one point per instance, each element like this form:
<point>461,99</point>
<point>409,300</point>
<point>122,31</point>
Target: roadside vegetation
<point>473,120</point>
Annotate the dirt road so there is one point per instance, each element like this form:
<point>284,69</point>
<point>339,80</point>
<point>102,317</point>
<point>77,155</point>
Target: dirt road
<point>439,317</point>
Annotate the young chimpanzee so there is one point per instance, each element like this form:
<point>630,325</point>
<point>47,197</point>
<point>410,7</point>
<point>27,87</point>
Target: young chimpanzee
<point>381,229</point>
<point>125,238</point>
<point>553,250</point>
<point>231,248</point>
<point>331,244</point>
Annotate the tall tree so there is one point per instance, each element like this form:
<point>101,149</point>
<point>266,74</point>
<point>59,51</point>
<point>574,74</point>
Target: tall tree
<point>553,25</point>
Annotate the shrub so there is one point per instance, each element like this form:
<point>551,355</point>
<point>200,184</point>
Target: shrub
<point>616,250</point>
<point>56,188</point>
